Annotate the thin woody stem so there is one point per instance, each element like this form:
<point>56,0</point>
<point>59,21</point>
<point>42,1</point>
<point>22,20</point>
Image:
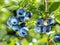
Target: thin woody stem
<point>45,5</point>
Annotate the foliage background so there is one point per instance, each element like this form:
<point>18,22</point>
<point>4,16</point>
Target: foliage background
<point>9,37</point>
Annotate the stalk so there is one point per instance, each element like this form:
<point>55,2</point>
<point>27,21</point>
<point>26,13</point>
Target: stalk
<point>45,5</point>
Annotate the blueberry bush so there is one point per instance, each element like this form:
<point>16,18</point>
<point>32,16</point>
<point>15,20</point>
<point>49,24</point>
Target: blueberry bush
<point>29,22</point>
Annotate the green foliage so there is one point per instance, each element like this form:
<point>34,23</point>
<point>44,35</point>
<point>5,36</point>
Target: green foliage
<point>2,34</point>
<point>38,10</point>
<point>54,6</point>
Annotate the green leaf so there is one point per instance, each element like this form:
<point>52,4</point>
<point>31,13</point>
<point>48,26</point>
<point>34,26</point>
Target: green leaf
<point>1,2</point>
<point>13,41</point>
<point>6,38</point>
<point>24,42</point>
<point>57,19</point>
<point>41,8</point>
<point>2,34</point>
<point>43,39</point>
<point>54,6</point>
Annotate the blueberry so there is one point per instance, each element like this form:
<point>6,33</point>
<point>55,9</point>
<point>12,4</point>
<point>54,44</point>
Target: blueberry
<point>23,32</point>
<point>21,19</point>
<point>22,24</point>
<point>28,15</point>
<point>51,21</point>
<point>40,22</point>
<point>20,12</point>
<point>57,38</point>
<point>9,23</point>
<point>16,27</point>
<point>46,28</point>
<point>38,29</point>
<point>57,35</point>
<point>12,21</point>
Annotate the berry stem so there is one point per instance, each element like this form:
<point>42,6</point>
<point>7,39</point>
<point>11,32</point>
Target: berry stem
<point>45,5</point>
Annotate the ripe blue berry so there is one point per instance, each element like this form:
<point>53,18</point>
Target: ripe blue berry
<point>46,28</point>
<point>21,19</point>
<point>28,15</point>
<point>16,27</point>
<point>51,21</point>
<point>57,35</point>
<point>9,23</point>
<point>12,21</point>
<point>40,22</point>
<point>38,29</point>
<point>20,12</point>
<point>23,32</point>
<point>57,38</point>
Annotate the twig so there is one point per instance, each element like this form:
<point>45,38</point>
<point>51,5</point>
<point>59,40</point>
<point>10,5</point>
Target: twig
<point>45,5</point>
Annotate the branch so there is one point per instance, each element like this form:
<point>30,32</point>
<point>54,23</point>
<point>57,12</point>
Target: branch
<point>45,5</point>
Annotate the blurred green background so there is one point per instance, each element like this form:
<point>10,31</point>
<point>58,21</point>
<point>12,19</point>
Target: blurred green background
<point>9,37</point>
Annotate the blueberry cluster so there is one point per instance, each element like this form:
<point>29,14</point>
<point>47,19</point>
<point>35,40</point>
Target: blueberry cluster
<point>41,26</point>
<point>14,21</point>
